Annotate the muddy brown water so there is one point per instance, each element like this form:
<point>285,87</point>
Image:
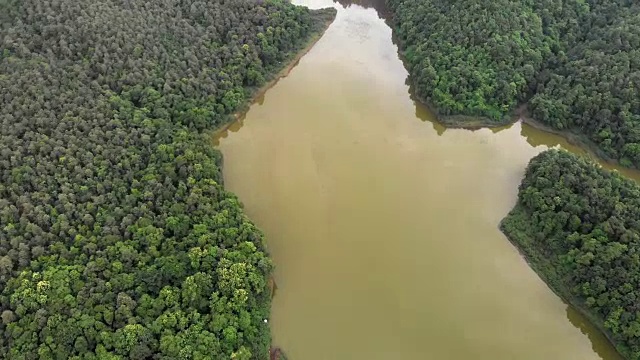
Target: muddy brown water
<point>383,225</point>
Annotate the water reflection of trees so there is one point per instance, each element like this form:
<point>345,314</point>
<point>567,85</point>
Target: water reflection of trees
<point>422,111</point>
<point>599,342</point>
<point>378,5</point>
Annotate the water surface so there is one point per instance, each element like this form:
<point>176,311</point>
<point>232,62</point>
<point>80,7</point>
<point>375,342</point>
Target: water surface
<point>382,224</point>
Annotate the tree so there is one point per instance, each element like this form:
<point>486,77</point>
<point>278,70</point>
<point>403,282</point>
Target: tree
<point>108,181</point>
<point>577,223</point>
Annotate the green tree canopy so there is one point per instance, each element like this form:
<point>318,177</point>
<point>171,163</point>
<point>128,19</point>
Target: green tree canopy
<point>578,225</point>
<point>117,238</point>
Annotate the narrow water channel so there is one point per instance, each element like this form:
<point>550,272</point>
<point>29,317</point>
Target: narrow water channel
<point>383,225</point>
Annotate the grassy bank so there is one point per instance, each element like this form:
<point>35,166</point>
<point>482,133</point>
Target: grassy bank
<point>471,122</point>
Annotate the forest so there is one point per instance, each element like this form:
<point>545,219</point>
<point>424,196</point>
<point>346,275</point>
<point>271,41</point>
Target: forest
<point>577,225</point>
<point>575,63</point>
<point>117,237</point>
<point>470,57</point>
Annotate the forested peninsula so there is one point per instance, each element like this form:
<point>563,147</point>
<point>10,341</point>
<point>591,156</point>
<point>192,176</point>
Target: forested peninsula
<point>117,237</point>
<point>575,63</point>
<point>578,226</point>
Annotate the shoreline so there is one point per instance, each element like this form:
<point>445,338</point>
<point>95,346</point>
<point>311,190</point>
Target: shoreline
<point>538,262</point>
<point>290,64</point>
<point>468,122</point>
<point>324,22</point>
<point>574,139</point>
<point>534,259</point>
<point>460,121</point>
<point>522,115</point>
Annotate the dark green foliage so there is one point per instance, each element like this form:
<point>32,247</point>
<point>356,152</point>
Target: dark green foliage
<point>578,225</point>
<point>595,91</point>
<point>470,57</point>
<point>117,238</point>
<point>577,61</point>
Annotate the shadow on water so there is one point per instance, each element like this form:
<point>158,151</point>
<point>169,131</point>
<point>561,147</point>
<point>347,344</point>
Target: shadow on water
<point>600,344</point>
<point>383,12</point>
<point>236,124</point>
<point>536,137</point>
<point>378,5</point>
<point>423,112</point>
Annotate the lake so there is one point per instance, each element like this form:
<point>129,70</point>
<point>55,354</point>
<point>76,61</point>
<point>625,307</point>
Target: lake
<point>382,224</point>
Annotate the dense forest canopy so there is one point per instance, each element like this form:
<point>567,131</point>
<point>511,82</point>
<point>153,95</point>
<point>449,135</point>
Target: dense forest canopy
<point>579,227</point>
<point>117,238</point>
<point>577,63</point>
<point>596,90</point>
<point>470,57</point>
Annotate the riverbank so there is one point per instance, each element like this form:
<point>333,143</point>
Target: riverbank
<point>573,138</point>
<point>514,227</point>
<point>470,122</point>
<point>521,114</point>
<point>467,122</point>
<point>325,19</point>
